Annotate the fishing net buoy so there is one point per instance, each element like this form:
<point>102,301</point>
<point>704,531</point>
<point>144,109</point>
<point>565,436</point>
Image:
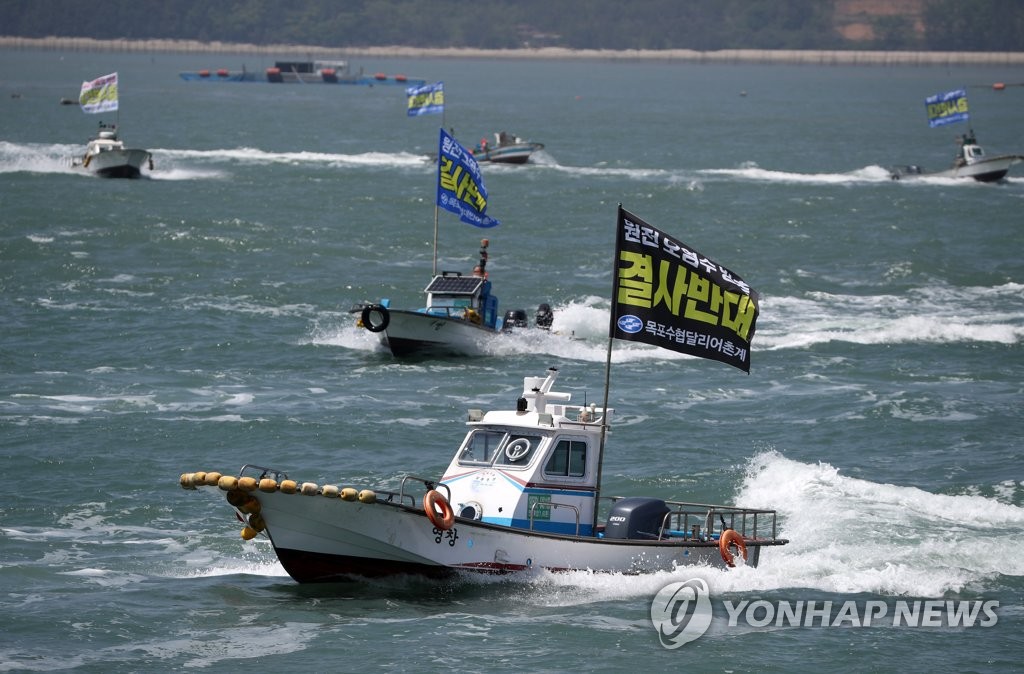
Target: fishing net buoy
<point>187,480</point>
<point>237,497</point>
<point>330,491</point>
<point>367,496</point>
<point>268,484</point>
<point>247,483</point>
<point>256,522</point>
<point>250,505</point>
<point>288,486</point>
<point>349,494</point>
<point>228,482</point>
<point>212,479</point>
<point>248,533</point>
<point>310,488</point>
<point>199,478</point>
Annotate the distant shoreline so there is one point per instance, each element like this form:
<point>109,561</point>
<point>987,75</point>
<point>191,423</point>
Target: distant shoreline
<point>799,57</point>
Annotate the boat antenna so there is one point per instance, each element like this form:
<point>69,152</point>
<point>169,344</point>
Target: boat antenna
<point>607,386</point>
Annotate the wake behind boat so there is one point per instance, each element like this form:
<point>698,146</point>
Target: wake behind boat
<point>507,149</point>
<point>523,490</point>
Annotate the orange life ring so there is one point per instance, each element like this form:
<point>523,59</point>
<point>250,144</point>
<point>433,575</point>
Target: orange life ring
<point>729,538</point>
<point>438,510</point>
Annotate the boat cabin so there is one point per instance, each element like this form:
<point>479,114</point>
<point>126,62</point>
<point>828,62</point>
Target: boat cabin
<point>533,468</point>
<point>453,295</point>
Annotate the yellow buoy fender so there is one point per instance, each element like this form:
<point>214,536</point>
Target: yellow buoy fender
<point>367,496</point>
<point>228,482</point>
<point>248,533</point>
<point>288,486</point>
<point>268,485</point>
<point>309,488</point>
<point>199,478</point>
<point>247,483</point>
<point>256,522</point>
<point>187,480</point>
<point>330,490</point>
<point>212,479</point>
<point>349,494</point>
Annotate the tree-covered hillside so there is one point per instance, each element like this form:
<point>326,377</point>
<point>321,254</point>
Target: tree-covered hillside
<point>966,25</point>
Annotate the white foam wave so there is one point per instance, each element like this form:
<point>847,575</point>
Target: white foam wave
<point>751,171</point>
<point>257,156</point>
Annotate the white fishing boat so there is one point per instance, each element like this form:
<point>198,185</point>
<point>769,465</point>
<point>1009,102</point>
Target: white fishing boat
<point>523,490</point>
<point>106,156</point>
<point>506,149</point>
<point>970,162</point>
<point>520,494</point>
<point>460,317</point>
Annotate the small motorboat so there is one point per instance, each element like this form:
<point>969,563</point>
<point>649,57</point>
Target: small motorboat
<point>522,493</point>
<point>460,316</point>
<point>106,156</point>
<point>970,162</point>
<point>507,149</point>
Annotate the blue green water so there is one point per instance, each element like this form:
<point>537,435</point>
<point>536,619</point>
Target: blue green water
<point>197,320</point>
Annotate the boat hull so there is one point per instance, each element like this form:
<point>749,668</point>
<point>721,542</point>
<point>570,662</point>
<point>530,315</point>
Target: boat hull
<point>988,170</point>
<point>321,539</point>
<point>518,153</point>
<point>411,333</point>
<point>117,163</point>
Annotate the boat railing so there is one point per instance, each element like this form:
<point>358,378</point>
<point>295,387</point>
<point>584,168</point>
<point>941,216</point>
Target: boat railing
<point>263,471</point>
<point>707,522</point>
<point>554,504</point>
<point>428,485</point>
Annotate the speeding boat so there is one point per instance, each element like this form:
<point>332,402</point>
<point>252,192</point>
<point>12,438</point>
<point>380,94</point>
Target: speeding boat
<point>507,149</point>
<point>460,316</point>
<point>106,156</point>
<point>522,493</point>
<point>970,162</point>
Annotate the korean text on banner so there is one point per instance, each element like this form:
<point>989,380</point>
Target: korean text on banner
<point>460,185</point>
<point>100,95</point>
<point>426,100</point>
<point>669,295</point>
<point>947,108</point>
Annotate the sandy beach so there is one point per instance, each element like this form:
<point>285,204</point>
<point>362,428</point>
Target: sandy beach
<point>805,57</point>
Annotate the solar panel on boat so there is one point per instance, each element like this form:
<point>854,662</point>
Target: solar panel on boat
<point>454,285</point>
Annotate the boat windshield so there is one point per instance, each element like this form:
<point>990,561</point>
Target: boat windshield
<point>486,447</point>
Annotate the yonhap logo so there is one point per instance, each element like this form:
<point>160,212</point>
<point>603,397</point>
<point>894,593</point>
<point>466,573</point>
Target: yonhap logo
<point>681,612</point>
<point>630,324</point>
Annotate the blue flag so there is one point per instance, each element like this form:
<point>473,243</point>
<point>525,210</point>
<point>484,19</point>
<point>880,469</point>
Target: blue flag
<point>426,100</point>
<point>947,108</point>
<point>460,186</point>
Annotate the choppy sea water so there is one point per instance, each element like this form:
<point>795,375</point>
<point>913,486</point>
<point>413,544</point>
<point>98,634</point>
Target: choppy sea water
<point>197,319</point>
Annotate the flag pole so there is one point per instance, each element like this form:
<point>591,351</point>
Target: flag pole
<point>607,375</point>
<point>436,206</point>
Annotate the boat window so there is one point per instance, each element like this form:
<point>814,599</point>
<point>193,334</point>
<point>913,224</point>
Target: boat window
<point>518,451</point>
<point>568,459</point>
<point>479,446</point>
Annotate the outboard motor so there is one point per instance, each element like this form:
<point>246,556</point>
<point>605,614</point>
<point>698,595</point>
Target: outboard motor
<point>636,517</point>
<point>544,316</point>
<point>514,318</point>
